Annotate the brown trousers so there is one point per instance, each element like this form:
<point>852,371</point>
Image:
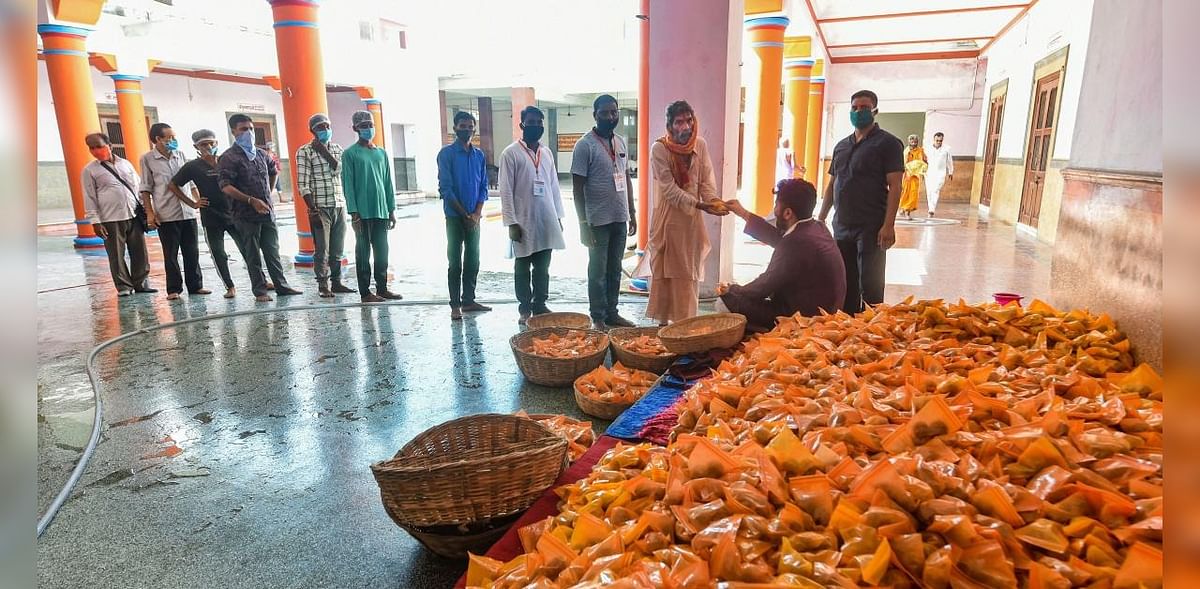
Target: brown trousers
<point>122,236</point>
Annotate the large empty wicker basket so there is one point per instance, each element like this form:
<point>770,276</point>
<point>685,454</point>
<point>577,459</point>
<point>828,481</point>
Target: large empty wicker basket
<point>472,470</point>
<point>703,333</point>
<point>556,372</point>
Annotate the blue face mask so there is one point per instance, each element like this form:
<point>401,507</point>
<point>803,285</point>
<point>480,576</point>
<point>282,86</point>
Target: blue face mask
<point>324,135</point>
<point>246,142</point>
<point>213,150</point>
<point>861,119</point>
<point>366,134</point>
<point>172,144</point>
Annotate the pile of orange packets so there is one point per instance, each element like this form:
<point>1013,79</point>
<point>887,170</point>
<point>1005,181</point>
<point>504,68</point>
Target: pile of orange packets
<point>915,445</point>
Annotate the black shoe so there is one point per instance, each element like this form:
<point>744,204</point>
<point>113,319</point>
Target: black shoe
<point>339,288</point>
<point>619,321</point>
<point>542,310</point>
<point>599,325</point>
<point>524,317</point>
<point>475,308</point>
<point>285,291</point>
<point>145,289</point>
<point>389,295</point>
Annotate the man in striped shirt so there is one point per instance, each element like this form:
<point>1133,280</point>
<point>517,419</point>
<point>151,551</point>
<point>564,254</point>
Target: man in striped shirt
<point>319,179</point>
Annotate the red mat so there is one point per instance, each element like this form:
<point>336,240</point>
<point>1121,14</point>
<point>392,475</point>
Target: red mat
<point>508,546</point>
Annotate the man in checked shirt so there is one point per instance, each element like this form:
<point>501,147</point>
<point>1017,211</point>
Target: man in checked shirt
<point>318,176</point>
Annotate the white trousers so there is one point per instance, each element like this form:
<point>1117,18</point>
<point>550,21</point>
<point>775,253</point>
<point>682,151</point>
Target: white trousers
<point>933,188</point>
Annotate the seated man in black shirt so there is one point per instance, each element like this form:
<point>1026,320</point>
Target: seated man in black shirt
<point>213,204</point>
<point>866,170</point>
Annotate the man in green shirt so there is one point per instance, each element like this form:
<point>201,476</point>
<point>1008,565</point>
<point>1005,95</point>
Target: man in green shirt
<point>371,202</point>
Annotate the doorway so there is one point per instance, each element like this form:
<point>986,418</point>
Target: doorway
<point>1041,138</point>
<point>991,147</point>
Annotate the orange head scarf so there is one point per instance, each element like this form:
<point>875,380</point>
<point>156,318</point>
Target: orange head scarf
<point>680,153</point>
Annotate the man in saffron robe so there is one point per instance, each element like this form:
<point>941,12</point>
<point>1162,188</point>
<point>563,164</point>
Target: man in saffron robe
<point>684,187</point>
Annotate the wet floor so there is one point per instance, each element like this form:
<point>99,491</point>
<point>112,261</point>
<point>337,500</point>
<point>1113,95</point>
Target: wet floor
<point>235,451</point>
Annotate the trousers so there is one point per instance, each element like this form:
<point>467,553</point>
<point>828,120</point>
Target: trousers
<point>532,276</point>
<point>371,245</point>
<point>125,236</point>
<point>181,237</point>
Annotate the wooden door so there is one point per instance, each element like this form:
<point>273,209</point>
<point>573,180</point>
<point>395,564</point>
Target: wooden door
<point>1041,136</point>
<point>991,147</point>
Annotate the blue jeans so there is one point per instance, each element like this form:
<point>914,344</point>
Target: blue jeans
<point>604,269</point>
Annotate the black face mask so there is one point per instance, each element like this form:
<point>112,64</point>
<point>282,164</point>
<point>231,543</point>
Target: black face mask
<point>464,135</point>
<point>532,134</point>
<point>606,127</point>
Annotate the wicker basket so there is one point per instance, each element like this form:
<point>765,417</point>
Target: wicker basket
<point>598,408</point>
<point>555,372</point>
<point>722,330</point>
<point>631,359</point>
<point>453,542</point>
<point>468,471</point>
<point>562,319</point>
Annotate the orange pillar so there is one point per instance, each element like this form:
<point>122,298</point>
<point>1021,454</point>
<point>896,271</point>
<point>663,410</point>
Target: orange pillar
<point>797,71</point>
<point>763,95</point>
<point>643,138</point>
<point>302,89</point>
<point>812,146</point>
<point>133,117</point>
<point>75,108</point>
<point>375,107</point>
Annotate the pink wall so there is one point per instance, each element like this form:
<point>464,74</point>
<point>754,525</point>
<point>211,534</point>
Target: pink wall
<point>695,51</point>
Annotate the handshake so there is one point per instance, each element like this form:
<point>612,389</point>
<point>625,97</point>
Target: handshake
<point>721,208</point>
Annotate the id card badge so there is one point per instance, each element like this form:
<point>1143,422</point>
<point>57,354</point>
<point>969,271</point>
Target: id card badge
<point>619,180</point>
<point>539,188</point>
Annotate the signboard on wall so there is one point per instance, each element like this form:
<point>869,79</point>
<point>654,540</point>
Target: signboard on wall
<point>251,107</point>
<point>567,141</point>
<point>451,137</point>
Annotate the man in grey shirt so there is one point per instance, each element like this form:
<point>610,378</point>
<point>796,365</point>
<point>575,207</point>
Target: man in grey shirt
<point>174,214</point>
<point>603,195</point>
<point>111,205</point>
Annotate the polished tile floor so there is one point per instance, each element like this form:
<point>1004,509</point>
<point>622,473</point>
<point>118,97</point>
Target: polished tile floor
<point>235,448</point>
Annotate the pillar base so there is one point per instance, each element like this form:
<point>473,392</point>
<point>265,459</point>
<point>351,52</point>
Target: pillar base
<point>89,243</point>
<point>304,260</point>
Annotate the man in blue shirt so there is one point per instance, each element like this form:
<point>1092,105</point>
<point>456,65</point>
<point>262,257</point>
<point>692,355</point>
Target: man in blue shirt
<point>462,183</point>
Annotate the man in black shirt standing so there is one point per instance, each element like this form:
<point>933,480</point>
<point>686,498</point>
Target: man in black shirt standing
<point>867,169</point>
<point>215,213</point>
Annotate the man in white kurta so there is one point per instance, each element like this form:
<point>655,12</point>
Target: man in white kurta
<point>941,169</point>
<point>532,205</point>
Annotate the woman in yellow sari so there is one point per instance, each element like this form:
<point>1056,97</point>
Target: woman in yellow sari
<point>915,165</point>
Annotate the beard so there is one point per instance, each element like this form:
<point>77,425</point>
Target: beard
<point>684,137</point>
<point>781,224</point>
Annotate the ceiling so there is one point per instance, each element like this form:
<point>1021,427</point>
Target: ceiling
<point>886,30</point>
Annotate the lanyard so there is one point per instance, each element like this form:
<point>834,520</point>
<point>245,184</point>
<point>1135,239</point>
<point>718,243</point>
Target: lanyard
<point>537,160</point>
<point>608,146</point>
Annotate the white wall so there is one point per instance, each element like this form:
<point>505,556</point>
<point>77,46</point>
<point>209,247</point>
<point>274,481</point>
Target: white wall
<point>948,91</point>
<point>1046,28</point>
<point>187,104</point>
<point>341,107</point>
<point>1119,126</point>
<point>580,121</point>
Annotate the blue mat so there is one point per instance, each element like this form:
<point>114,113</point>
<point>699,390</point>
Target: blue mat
<point>664,394</point>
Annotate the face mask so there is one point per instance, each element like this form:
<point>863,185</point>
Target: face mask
<point>246,142</point>
<point>213,150</point>
<point>102,153</point>
<point>532,134</point>
<point>606,127</point>
<point>861,119</point>
<point>172,144</point>
<point>463,135</point>
<point>323,135</point>
<point>366,134</point>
